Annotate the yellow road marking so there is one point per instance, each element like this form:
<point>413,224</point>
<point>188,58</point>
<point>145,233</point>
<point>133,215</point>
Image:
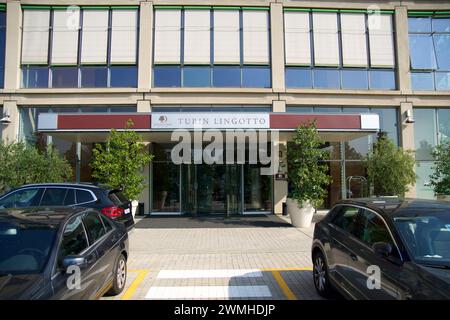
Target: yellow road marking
<point>287,269</point>
<point>135,284</point>
<point>284,287</point>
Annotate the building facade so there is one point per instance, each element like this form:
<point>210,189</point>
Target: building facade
<point>72,70</point>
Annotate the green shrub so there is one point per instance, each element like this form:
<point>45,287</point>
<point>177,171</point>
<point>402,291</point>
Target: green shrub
<point>440,179</point>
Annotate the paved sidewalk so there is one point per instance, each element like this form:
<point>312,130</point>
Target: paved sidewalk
<point>220,263</point>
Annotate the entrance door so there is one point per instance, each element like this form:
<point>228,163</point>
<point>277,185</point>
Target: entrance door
<point>212,189</point>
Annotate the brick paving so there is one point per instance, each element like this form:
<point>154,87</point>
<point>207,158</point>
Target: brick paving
<point>284,248</point>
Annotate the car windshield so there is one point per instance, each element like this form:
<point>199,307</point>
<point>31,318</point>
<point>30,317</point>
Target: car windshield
<point>24,246</point>
<point>427,237</point>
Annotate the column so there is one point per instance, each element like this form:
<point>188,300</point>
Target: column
<point>407,136</point>
<point>402,41</point>
<point>144,106</point>
<point>145,46</point>
<point>10,130</point>
<point>13,46</point>
<point>277,46</point>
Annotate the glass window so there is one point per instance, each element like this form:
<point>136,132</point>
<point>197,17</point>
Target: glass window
<point>299,109</point>
<point>196,77</point>
<point>166,179</point>
<point>355,181</point>
<point>35,77</point>
<point>70,197</point>
<point>371,229</point>
<point>326,78</point>
<point>84,196</point>
<point>226,76</point>
<point>422,80</point>
<point>355,79</point>
<point>298,78</point>
<point>422,24</point>
<point>443,80</point>
<point>424,169</point>
<point>167,76</point>
<point>382,79</point>
<point>64,77</point>
<point>74,239</point>
<point>94,227</point>
<point>424,133</point>
<point>107,223</point>
<point>22,198</point>
<point>93,109</point>
<point>441,25</point>
<point>53,197</point>
<point>444,123</point>
<point>422,52</point>
<point>327,109</point>
<point>346,218</point>
<point>123,109</point>
<point>94,77</point>
<point>123,76</point>
<point>441,44</point>
<point>256,77</point>
<point>257,187</point>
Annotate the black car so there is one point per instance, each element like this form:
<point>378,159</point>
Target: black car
<point>110,202</point>
<point>384,248</point>
<point>62,253</point>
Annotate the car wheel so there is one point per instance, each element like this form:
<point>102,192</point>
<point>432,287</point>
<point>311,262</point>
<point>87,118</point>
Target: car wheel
<point>120,276</point>
<point>320,274</point>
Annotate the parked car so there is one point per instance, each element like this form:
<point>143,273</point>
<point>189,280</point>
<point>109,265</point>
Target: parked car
<point>403,243</point>
<point>41,250</point>
<point>110,202</point>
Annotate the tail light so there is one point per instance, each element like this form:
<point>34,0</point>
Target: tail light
<point>112,212</point>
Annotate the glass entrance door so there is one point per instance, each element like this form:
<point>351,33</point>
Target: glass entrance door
<point>211,189</point>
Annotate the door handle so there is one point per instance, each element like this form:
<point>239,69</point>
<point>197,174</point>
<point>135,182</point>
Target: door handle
<point>354,257</point>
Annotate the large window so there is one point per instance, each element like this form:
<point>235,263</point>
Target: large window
<point>211,47</point>
<point>429,47</point>
<point>339,49</point>
<point>431,127</point>
<point>91,47</point>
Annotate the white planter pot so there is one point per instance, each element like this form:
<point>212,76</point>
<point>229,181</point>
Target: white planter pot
<point>134,205</point>
<point>301,217</point>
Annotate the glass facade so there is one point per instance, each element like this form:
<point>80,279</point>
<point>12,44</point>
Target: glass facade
<point>431,127</point>
<point>429,47</point>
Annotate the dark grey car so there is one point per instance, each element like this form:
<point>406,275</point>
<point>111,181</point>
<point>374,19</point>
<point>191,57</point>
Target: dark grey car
<point>384,248</point>
<point>62,253</point>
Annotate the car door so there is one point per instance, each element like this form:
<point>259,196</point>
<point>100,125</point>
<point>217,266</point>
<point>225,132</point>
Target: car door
<point>27,197</point>
<point>74,241</point>
<point>369,267</point>
<point>101,240</point>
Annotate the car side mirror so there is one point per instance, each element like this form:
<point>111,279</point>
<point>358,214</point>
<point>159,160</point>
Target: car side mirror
<point>78,261</point>
<point>382,248</point>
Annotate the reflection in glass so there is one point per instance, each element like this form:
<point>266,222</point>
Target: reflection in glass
<point>256,77</point>
<point>424,133</point>
<point>423,187</point>
<point>326,78</point>
<point>382,79</point>
<point>355,79</point>
<point>298,77</point>
<point>441,44</point>
<point>196,77</point>
<point>355,180</point>
<point>422,80</point>
<point>422,52</point>
<point>257,189</point>
<point>123,76</point>
<point>94,77</point>
<point>167,76</point>
<point>34,77</point>
<point>166,187</point>
<point>444,123</point>
<point>226,76</point>
<point>443,80</point>
<point>64,77</point>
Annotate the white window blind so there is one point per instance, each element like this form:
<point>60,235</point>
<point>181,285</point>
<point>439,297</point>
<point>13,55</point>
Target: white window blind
<point>226,36</point>
<point>381,41</point>
<point>167,36</point>
<point>124,36</point>
<point>326,44</point>
<point>297,38</point>
<point>95,36</point>
<point>256,37</point>
<point>197,25</point>
<point>65,37</point>
<point>354,43</point>
<point>35,36</point>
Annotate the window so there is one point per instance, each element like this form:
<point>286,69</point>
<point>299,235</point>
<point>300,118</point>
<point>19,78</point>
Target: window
<point>22,198</point>
<point>70,197</point>
<point>339,49</point>
<point>97,49</point>
<point>94,227</point>
<point>346,218</point>
<point>217,46</point>
<point>84,196</point>
<point>74,240</point>
<point>429,47</point>
<point>53,197</point>
<point>107,223</point>
<point>371,229</point>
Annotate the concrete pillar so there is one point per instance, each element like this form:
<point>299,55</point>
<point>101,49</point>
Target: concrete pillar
<point>280,187</point>
<point>407,137</point>
<point>279,106</point>
<point>13,46</point>
<point>145,46</point>
<point>10,131</point>
<point>144,106</point>
<point>402,41</point>
<point>277,46</point>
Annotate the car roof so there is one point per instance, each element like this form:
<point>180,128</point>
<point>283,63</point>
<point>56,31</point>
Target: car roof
<point>39,215</point>
<point>393,206</point>
<point>88,185</point>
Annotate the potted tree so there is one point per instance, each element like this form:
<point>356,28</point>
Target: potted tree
<point>440,179</point>
<point>390,169</point>
<point>308,177</point>
<point>119,162</point>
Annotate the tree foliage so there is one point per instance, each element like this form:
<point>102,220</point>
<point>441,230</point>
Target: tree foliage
<point>390,169</point>
<point>440,179</point>
<point>118,162</point>
<point>23,164</point>
<point>306,173</point>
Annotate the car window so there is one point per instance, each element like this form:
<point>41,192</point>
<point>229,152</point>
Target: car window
<point>53,197</point>
<point>74,239</point>
<point>106,222</point>
<point>84,196</point>
<point>70,197</point>
<point>22,198</point>
<point>94,226</point>
<point>117,198</point>
<point>346,218</point>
